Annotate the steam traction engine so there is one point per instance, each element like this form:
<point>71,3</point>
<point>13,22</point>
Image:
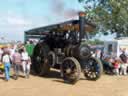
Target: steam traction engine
<point>63,47</point>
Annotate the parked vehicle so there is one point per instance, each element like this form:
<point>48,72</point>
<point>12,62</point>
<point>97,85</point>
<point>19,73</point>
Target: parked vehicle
<point>115,47</point>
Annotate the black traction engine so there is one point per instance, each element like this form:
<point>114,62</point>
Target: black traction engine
<point>65,48</point>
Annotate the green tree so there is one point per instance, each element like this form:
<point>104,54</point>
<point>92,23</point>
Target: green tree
<point>108,14</point>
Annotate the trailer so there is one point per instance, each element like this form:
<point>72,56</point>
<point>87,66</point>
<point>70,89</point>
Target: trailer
<point>115,47</point>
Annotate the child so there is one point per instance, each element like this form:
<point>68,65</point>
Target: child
<point>116,66</point>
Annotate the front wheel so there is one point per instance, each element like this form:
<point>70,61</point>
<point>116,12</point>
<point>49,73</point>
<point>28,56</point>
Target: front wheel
<point>71,70</point>
<point>93,68</point>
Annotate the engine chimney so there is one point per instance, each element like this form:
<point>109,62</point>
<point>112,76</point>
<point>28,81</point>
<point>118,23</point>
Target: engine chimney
<point>81,25</point>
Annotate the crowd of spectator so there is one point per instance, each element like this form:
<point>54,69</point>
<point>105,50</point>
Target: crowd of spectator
<point>16,57</point>
<point>114,65</point>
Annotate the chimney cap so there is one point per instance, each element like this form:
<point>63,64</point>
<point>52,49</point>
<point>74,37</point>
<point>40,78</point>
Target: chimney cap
<point>82,14</point>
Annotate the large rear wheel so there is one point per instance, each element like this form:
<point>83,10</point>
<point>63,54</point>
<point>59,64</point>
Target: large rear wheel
<point>71,70</point>
<point>40,60</point>
<point>93,68</point>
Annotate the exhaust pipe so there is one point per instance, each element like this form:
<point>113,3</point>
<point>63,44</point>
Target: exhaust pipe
<point>82,23</point>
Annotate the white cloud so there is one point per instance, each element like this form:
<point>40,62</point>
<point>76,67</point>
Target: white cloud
<point>12,26</point>
<point>15,20</point>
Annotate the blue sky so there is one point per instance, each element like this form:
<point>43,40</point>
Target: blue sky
<point>16,16</point>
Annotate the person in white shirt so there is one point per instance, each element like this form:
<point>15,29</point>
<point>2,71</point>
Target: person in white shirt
<point>7,64</point>
<point>25,65</point>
